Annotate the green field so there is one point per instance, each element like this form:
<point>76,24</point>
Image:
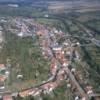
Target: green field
<point>24,11</point>
<point>51,23</point>
<point>25,58</point>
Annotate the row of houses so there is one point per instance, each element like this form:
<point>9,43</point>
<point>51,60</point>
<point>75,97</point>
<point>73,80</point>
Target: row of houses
<point>46,51</point>
<point>59,53</point>
<point>4,73</point>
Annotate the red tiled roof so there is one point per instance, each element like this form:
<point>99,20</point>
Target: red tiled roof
<point>50,85</point>
<point>24,93</point>
<point>32,91</point>
<point>2,66</point>
<point>2,78</point>
<point>7,97</point>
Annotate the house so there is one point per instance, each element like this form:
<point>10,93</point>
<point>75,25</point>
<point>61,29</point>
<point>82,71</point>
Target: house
<point>53,85</point>
<point>63,52</point>
<point>65,64</point>
<point>78,43</point>
<point>37,92</point>
<point>2,86</point>
<point>77,55</point>
<point>89,89</point>
<point>19,76</point>
<point>53,70</point>
<point>73,70</point>
<point>68,53</point>
<point>63,61</point>
<point>7,73</point>
<point>7,97</point>
<point>60,75</point>
<point>66,44</point>
<point>53,66</point>
<point>69,85</point>
<point>57,48</point>
<point>2,78</point>
<point>40,33</point>
<point>20,34</point>
<point>55,30</point>
<point>77,98</point>
<point>4,75</point>
<point>15,94</point>
<point>83,98</point>
<point>2,67</point>
<point>33,91</point>
<point>60,33</point>
<point>24,93</point>
<point>48,87</point>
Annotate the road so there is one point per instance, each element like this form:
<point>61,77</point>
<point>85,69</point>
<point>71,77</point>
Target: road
<point>80,89</point>
<point>73,80</point>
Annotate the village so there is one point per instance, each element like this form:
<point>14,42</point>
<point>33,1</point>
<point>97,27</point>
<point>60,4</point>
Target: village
<point>60,57</point>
